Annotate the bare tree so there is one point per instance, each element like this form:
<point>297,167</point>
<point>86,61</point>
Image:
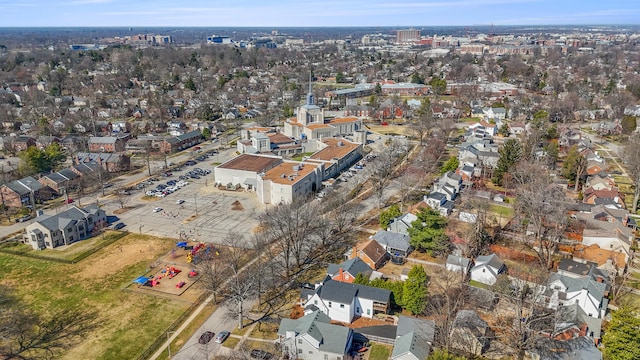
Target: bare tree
<point>25,335</point>
<point>448,296</point>
<point>541,206</point>
<point>525,317</point>
<point>241,285</point>
<point>381,170</point>
<point>122,196</point>
<point>631,157</point>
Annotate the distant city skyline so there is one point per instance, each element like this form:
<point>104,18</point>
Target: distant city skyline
<point>298,13</point>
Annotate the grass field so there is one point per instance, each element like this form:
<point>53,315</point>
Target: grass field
<point>128,321</point>
<point>499,210</point>
<point>391,129</point>
<point>379,352</point>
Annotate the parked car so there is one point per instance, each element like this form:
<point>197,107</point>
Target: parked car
<point>68,201</point>
<point>206,337</point>
<point>119,226</point>
<point>179,201</point>
<point>261,354</point>
<point>23,218</point>
<point>157,209</point>
<point>222,336</point>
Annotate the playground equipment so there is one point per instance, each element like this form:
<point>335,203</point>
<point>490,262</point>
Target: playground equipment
<point>194,255</point>
<point>193,273</point>
<point>170,272</point>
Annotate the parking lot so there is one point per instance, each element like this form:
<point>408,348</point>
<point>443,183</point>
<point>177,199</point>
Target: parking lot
<point>183,203</point>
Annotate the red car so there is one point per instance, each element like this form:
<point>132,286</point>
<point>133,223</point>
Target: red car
<point>68,201</point>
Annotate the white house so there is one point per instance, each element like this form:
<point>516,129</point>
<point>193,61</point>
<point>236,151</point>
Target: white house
<point>343,302</point>
<point>313,337</point>
<point>581,284</point>
<point>487,268</point>
<point>457,263</point>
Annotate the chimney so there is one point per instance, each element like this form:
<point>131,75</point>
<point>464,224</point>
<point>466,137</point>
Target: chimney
<point>355,252</point>
<point>340,274</point>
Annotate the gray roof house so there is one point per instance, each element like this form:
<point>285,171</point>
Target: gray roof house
<point>67,227</point>
<point>394,243</point>
<point>313,337</point>
<point>401,224</point>
<point>347,270</point>
<point>487,268</point>
<point>458,264</point>
<point>414,338</point>
<point>469,333</point>
<point>343,301</point>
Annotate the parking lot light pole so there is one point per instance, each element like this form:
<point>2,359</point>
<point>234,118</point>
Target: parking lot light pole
<point>195,198</point>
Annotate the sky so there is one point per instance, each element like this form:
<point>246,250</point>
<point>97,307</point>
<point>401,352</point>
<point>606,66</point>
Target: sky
<point>296,13</point>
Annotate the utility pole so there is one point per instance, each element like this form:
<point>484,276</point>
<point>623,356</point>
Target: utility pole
<point>195,198</point>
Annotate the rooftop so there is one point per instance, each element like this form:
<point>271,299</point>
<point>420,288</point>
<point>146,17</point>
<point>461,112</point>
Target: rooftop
<point>343,120</point>
<point>289,172</point>
<point>249,162</point>
<point>336,149</point>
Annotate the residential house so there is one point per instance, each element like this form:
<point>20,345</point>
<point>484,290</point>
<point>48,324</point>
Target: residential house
<point>60,181</point>
<point>397,245</point>
<point>348,270</point>
<point>44,141</point>
<point>111,163</point>
<point>65,228</point>
<point>414,338</point>
<point>106,144</point>
<point>402,223</point>
<point>313,337</point>
<point>487,268</point>
<point>610,262</point>
<point>469,333</point>
<point>21,143</point>
<point>457,263</point>
<point>517,128</point>
<point>180,142</point>
<point>576,348</point>
<point>604,197</point>
<point>372,253</point>
<point>579,283</point>
<point>23,192</point>
<point>343,301</point>
<point>438,201</point>
<point>600,181</point>
<point>604,227</point>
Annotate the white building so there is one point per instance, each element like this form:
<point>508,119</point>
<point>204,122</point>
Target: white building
<point>487,268</point>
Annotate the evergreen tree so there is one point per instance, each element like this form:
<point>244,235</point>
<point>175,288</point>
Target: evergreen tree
<point>387,215</point>
<point>510,154</point>
<point>427,233</point>
<point>414,291</point>
<point>451,165</point>
<point>621,338</point>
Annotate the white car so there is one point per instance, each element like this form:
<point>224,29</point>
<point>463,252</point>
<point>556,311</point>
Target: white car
<point>179,201</point>
<point>157,209</point>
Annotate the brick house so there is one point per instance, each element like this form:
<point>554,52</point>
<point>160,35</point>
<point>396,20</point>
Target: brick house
<point>372,253</point>
<point>19,193</point>
<point>61,180</point>
<point>110,162</point>
<point>108,144</point>
<point>23,142</point>
<point>179,143</point>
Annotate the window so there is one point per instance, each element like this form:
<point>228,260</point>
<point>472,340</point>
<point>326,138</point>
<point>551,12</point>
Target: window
<point>310,352</point>
<point>326,357</point>
<point>48,243</point>
<point>286,349</point>
<point>358,309</point>
<point>315,302</point>
<point>299,351</point>
<point>300,341</point>
<point>329,303</point>
<point>341,306</point>
<point>368,311</point>
<point>69,229</point>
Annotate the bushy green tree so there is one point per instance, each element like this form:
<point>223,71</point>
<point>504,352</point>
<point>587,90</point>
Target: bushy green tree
<point>206,133</point>
<point>427,233</point>
<point>396,288</point>
<point>414,290</point>
<point>621,337</point>
<point>387,215</point>
<point>189,84</point>
<point>438,85</point>
<point>361,279</point>
<point>416,78</point>
<point>45,160</point>
<point>510,154</point>
<point>451,165</point>
<point>574,166</point>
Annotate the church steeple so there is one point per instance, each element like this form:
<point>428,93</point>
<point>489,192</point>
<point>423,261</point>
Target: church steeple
<point>310,93</point>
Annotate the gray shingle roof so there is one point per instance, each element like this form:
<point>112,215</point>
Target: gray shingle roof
<point>344,293</point>
<point>458,260</point>
<point>24,186</point>
<point>492,260</point>
<point>102,140</point>
<point>426,329</point>
<point>353,266</point>
<point>63,219</point>
<point>411,343</point>
<point>392,240</point>
<point>332,338</point>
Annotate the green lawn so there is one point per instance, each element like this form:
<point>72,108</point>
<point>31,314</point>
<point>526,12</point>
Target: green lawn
<point>379,352</point>
<point>128,322</point>
<point>504,211</point>
<point>299,157</point>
